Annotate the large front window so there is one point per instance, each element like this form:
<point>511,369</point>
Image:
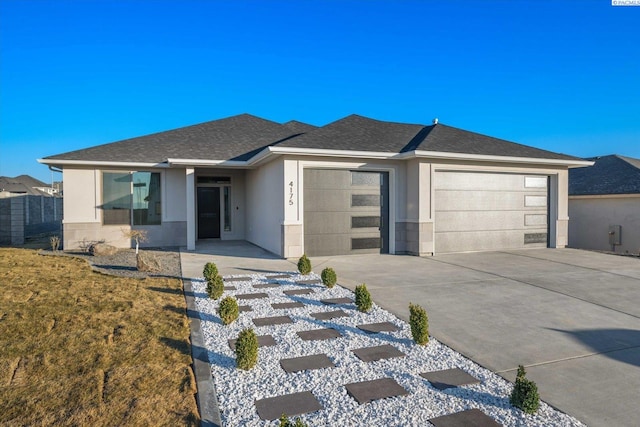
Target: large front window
<point>131,198</point>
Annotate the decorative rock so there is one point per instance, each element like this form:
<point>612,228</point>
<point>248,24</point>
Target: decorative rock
<point>102,249</point>
<point>146,262</point>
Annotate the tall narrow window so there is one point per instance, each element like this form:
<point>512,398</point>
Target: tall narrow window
<point>227,208</point>
<point>146,198</point>
<point>116,198</point>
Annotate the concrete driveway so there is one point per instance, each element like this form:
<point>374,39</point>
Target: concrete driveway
<point>572,317</point>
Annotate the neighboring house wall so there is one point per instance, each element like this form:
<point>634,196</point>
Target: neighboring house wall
<point>591,217</point>
<point>22,217</point>
<point>265,198</point>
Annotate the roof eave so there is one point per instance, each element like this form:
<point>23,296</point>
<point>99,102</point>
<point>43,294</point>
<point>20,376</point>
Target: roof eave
<point>206,163</point>
<point>63,162</point>
<point>499,159</point>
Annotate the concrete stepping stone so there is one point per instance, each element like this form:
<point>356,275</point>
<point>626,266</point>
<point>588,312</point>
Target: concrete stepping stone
<point>257,295</point>
<point>469,418</point>
<point>374,328</point>
<point>309,282</point>
<point>449,378</point>
<point>328,315</point>
<point>230,288</point>
<point>244,308</point>
<point>237,279</point>
<point>336,301</point>
<point>293,404</point>
<point>266,285</point>
<point>279,276</point>
<point>263,341</point>
<point>298,292</point>
<point>319,334</point>
<point>268,321</point>
<point>306,363</point>
<point>371,354</point>
<point>282,305</point>
<point>366,391</point>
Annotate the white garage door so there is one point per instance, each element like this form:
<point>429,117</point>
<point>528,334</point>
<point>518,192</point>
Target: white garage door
<point>489,211</point>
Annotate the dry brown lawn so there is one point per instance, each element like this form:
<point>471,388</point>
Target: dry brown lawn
<point>81,348</point>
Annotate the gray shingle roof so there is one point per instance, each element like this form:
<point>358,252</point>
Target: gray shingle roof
<point>224,139</point>
<point>242,137</point>
<point>453,140</point>
<point>611,174</point>
<point>357,133</point>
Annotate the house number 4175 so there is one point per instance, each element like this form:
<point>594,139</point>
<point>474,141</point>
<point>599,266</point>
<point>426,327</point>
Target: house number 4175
<point>291,193</point>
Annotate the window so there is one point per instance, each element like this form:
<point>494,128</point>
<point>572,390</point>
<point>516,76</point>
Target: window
<point>227,208</point>
<point>131,198</point>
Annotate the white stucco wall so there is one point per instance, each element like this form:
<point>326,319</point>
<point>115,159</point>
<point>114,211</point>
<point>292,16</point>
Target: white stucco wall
<point>81,193</point>
<point>175,198</point>
<point>265,199</point>
<point>591,216</point>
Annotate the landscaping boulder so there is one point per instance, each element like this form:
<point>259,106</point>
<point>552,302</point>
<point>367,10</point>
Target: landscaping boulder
<point>147,262</point>
<point>102,249</point>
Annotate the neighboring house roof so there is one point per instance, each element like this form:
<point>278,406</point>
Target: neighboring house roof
<point>611,174</point>
<point>23,184</point>
<point>240,138</point>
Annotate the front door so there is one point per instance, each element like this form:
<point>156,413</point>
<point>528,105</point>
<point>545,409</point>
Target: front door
<point>208,212</point>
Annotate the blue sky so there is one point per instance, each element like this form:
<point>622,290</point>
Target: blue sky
<point>558,75</point>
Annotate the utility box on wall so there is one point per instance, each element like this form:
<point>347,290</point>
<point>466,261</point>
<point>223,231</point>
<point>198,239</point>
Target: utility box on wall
<point>614,235</point>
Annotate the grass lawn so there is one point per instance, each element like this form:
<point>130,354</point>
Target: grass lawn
<point>82,348</point>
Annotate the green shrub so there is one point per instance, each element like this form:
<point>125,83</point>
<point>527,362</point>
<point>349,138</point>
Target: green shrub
<point>363,298</point>
<point>285,422</point>
<point>247,349</point>
<point>228,310</point>
<point>419,324</point>
<point>525,393</point>
<point>304,265</point>
<point>210,271</point>
<point>215,287</point>
<point>329,277</point>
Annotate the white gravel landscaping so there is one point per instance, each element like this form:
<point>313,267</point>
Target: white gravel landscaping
<point>237,390</point>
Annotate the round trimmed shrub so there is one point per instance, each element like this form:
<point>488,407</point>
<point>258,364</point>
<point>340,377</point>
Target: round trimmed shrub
<point>419,324</point>
<point>525,393</point>
<point>247,349</point>
<point>304,265</point>
<point>210,271</point>
<point>215,287</point>
<point>329,277</point>
<point>286,422</point>
<point>228,310</point>
<point>363,298</point>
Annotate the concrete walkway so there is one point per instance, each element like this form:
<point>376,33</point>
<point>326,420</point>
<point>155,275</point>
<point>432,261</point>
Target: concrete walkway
<point>572,317</point>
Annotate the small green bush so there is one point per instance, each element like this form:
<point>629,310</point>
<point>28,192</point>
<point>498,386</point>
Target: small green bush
<point>285,422</point>
<point>525,393</point>
<point>215,287</point>
<point>363,298</point>
<point>329,277</point>
<point>304,265</point>
<point>210,271</point>
<point>247,349</point>
<point>419,324</point>
<point>228,310</point>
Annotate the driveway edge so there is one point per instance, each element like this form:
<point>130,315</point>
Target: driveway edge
<point>206,397</point>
